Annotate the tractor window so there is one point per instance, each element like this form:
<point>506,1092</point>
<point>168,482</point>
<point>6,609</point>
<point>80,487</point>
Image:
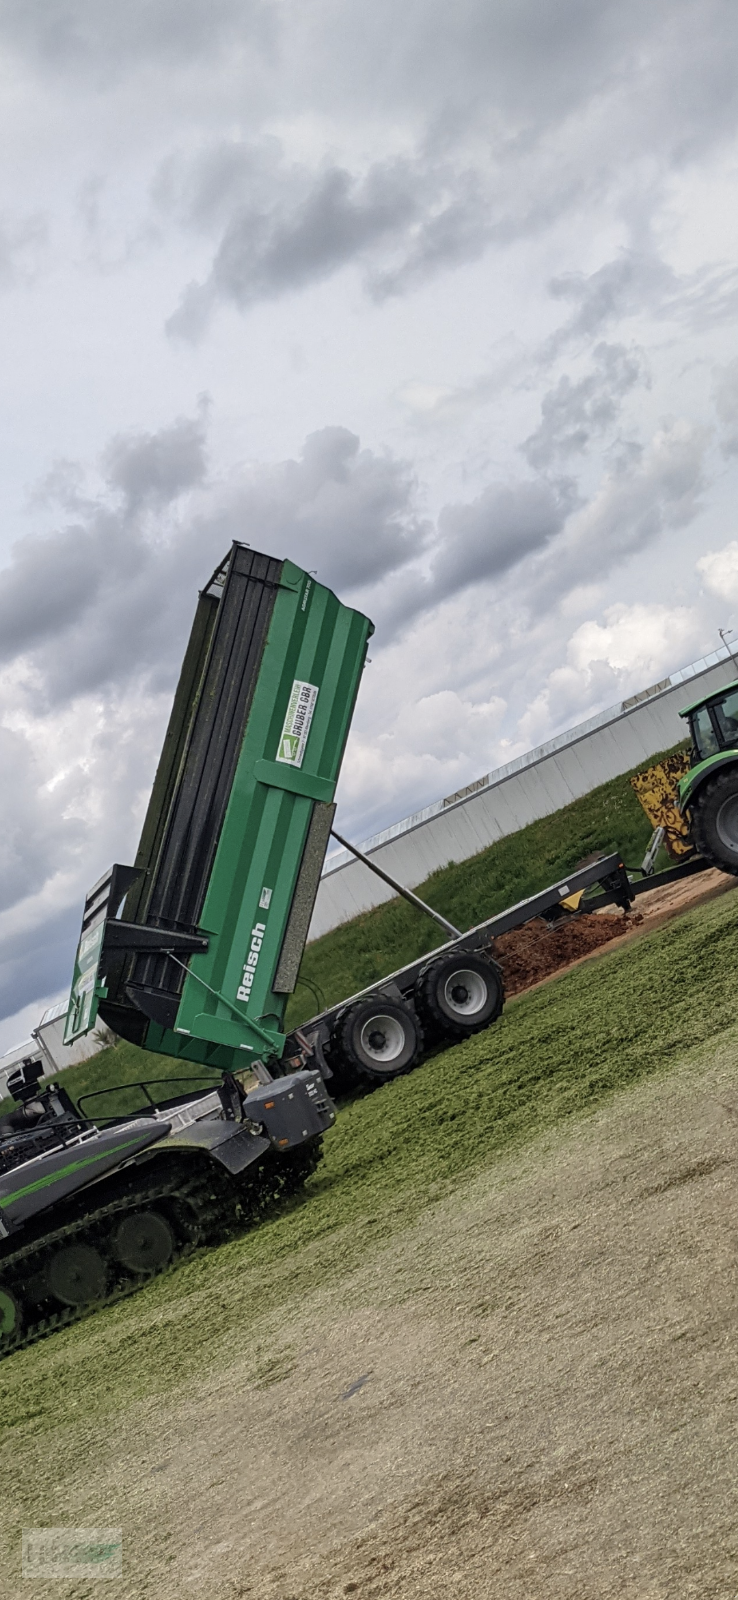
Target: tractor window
<point>703,733</point>
<point>726,712</point>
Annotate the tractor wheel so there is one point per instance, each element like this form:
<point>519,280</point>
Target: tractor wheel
<point>714,821</point>
<point>458,995</point>
<point>376,1040</point>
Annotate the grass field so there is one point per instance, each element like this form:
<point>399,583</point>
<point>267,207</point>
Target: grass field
<point>556,1053</point>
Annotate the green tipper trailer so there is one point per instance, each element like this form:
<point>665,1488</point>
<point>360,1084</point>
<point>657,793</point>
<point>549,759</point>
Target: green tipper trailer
<point>216,909</point>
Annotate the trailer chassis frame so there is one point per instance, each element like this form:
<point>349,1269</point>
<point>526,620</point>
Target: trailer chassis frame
<point>308,1042</point>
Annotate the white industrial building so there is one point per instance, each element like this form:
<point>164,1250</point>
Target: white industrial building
<point>47,1041</point>
<point>532,786</point>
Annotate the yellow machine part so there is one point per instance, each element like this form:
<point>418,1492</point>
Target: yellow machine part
<point>657,791</point>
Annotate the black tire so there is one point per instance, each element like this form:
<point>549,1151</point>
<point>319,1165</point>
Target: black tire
<point>714,820</point>
<point>11,1317</point>
<point>143,1242</point>
<point>77,1275</point>
<point>376,1040</point>
<point>460,994</point>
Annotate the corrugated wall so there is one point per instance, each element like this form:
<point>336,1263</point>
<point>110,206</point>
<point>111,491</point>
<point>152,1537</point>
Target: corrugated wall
<point>533,787</point>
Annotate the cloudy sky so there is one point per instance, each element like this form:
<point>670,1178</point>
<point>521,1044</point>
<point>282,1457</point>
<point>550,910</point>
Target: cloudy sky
<point>439,300</point>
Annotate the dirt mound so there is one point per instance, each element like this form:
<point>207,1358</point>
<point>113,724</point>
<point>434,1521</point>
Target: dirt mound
<point>530,954</point>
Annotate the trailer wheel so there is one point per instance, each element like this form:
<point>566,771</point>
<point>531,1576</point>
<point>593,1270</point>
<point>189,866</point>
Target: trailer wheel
<point>458,995</point>
<point>714,821</point>
<point>376,1040</point>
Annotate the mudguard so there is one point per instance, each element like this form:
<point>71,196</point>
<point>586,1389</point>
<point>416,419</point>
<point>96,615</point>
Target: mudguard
<point>56,1175</point>
<point>230,1143</point>
<point>695,779</point>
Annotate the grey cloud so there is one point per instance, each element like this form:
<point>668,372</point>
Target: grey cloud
<point>516,66</point>
<point>205,190</point>
<point>664,74</point>
<point>538,108</point>
<point>84,600</point>
<point>65,584</point>
<point>531,60</point>
<point>496,150</point>
<point>83,35</point>
<point>27,843</point>
<point>346,511</point>
<point>52,582</point>
<point>23,242</point>
<point>633,282</point>
<point>457,227</point>
<point>63,485</point>
<point>525,56</point>
<point>265,254</point>
<point>284,226</point>
<point>476,542</point>
<point>107,599</point>
<point>38,961</point>
<point>637,283</point>
<point>289,227</point>
<point>725,394</point>
<point>645,493</point>
<point>155,468</point>
<point>573,413</point>
<point>496,531</point>
<point>563,541</point>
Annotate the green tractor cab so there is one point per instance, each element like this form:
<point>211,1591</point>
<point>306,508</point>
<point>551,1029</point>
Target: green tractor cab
<point>708,793</point>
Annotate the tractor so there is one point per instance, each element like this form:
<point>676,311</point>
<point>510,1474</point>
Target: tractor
<point>708,791</point>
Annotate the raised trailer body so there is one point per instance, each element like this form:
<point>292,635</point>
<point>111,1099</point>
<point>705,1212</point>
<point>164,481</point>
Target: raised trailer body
<point>200,958</point>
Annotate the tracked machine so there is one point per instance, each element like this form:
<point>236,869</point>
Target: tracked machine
<point>91,1209</point>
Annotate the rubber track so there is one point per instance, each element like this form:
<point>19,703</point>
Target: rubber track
<point>215,1218</point>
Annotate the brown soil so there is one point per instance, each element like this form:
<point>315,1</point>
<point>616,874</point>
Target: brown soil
<point>530,954</point>
<point>659,905</point>
<point>534,953</point>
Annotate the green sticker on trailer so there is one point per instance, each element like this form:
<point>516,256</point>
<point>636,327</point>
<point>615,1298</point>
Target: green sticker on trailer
<point>296,727</point>
<point>83,999</point>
